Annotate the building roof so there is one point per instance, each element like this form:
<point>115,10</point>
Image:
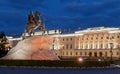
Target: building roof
<point>99,29</point>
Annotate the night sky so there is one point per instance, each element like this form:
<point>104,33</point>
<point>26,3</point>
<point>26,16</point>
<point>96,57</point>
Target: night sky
<point>59,14</point>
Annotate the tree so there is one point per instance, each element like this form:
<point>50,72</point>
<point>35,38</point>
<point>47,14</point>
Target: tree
<point>4,44</point>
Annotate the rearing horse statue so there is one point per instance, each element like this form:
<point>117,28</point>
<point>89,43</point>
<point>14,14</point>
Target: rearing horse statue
<point>33,23</point>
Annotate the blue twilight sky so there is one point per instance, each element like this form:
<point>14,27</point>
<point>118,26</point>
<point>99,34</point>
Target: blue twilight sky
<point>62,14</point>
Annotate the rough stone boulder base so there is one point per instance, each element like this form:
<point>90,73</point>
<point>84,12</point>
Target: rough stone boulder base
<point>33,48</point>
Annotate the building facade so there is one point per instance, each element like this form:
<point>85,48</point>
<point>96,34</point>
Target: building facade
<point>90,43</point>
<point>98,42</point>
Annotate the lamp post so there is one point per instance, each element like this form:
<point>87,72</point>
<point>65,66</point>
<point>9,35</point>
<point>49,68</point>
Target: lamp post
<point>111,53</point>
<point>119,50</point>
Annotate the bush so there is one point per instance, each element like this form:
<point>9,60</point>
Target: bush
<point>61,63</point>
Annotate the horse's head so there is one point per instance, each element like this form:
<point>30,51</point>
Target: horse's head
<point>37,14</point>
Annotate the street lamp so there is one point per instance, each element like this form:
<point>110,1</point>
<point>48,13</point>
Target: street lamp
<point>80,59</point>
<point>119,50</point>
<point>111,53</point>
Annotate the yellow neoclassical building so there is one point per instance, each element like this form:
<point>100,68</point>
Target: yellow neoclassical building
<point>98,42</point>
<point>90,43</point>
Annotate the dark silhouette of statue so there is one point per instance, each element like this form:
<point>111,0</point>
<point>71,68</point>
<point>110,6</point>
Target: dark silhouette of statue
<point>37,16</point>
<point>30,18</point>
<point>34,22</point>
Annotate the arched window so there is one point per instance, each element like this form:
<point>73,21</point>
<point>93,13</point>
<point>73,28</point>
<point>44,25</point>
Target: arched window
<point>85,53</point>
<point>105,54</point>
<point>100,54</point>
<point>95,54</point>
<point>80,53</point>
<point>90,54</point>
<point>76,53</point>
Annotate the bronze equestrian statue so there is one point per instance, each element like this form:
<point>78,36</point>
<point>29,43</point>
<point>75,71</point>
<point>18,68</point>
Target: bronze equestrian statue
<point>33,23</point>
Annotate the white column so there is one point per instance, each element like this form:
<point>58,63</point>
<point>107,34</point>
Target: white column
<point>93,46</point>
<point>83,45</point>
<point>75,43</point>
<point>88,45</point>
<point>109,45</point>
<point>79,44</point>
<point>114,45</point>
<point>98,45</point>
<point>103,45</point>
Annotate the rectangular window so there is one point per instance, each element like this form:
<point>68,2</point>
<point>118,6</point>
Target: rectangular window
<point>105,54</point>
<point>117,53</point>
<point>85,53</point>
<point>71,46</point>
<point>66,46</point>
<point>67,39</point>
<point>80,53</point>
<point>96,37</point>
<point>66,53</point>
<point>71,39</point>
<point>101,37</point>
<point>87,38</point>
<point>76,53</point>
<point>55,53</point>
<point>91,38</point>
<point>107,37</point>
<point>112,37</point>
<point>118,36</point>
<point>82,38</point>
<point>63,53</point>
<point>70,53</point>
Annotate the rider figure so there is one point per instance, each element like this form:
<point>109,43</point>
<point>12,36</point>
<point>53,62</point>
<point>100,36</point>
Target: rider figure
<point>37,16</point>
<point>31,18</point>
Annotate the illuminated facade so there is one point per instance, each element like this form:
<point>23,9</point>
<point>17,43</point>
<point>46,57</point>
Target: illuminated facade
<point>92,42</point>
<point>98,42</point>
